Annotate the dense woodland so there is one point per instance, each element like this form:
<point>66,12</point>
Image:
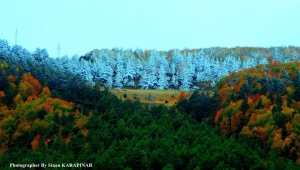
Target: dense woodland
<point>251,122</point>
<point>263,104</point>
<point>146,69</point>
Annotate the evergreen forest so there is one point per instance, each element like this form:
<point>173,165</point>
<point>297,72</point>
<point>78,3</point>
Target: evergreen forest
<point>61,110</point>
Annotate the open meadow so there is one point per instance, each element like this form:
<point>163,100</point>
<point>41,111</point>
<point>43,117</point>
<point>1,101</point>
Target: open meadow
<point>166,97</point>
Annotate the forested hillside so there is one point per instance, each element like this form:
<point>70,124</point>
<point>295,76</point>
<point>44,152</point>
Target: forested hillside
<point>263,104</point>
<point>53,111</point>
<point>114,134</point>
<point>147,69</point>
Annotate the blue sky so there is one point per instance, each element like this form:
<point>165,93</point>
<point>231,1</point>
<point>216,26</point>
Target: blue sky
<point>80,26</point>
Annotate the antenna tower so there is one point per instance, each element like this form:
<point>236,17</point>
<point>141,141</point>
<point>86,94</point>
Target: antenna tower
<point>58,50</point>
<point>16,37</point>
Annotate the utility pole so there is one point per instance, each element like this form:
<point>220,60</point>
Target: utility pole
<point>16,37</point>
<point>58,50</point>
<point>150,98</point>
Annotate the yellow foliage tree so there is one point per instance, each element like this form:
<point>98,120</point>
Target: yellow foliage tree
<point>45,92</point>
<point>18,99</point>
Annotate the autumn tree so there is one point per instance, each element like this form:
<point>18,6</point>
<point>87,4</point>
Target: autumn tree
<point>181,96</point>
<point>29,86</point>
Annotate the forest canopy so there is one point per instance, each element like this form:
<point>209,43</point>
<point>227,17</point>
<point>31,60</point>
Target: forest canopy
<point>51,112</point>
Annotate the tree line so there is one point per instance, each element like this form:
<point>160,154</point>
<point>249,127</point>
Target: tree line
<point>146,69</point>
<point>97,127</point>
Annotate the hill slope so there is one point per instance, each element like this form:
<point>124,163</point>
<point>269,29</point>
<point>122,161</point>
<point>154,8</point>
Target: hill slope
<point>101,129</point>
<point>263,104</point>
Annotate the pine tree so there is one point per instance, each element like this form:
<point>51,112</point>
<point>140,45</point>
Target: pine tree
<point>4,49</point>
<point>244,90</point>
<point>119,69</point>
<point>162,82</point>
<point>259,104</point>
<point>148,79</point>
<point>129,73</point>
<point>174,82</point>
<point>40,54</point>
<point>186,79</point>
<point>279,86</point>
<point>286,77</point>
<point>296,83</point>
<point>245,105</point>
<point>267,84</point>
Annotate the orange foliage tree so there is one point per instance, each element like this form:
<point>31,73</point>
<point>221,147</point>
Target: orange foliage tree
<point>2,95</point>
<point>35,142</point>
<point>29,86</point>
<point>181,96</point>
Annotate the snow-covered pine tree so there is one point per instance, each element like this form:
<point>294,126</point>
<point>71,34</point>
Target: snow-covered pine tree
<point>119,72</point>
<point>129,73</point>
<point>185,79</point>
<point>148,78</point>
<point>4,49</point>
<point>248,63</point>
<point>162,82</point>
<point>107,71</point>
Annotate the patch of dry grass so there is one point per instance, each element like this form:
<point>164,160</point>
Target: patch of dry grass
<point>159,96</point>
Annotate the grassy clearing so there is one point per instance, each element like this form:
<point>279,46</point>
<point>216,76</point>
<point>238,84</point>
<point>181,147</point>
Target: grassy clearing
<point>159,96</point>
<point>166,97</point>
